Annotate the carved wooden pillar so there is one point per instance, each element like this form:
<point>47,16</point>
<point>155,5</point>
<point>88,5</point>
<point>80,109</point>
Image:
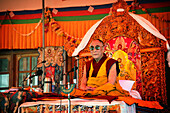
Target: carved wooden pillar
<point>153,73</point>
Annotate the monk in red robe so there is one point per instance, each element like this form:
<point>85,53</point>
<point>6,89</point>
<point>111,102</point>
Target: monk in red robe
<point>100,74</point>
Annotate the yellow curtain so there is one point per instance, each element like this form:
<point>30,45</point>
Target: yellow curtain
<point>11,39</point>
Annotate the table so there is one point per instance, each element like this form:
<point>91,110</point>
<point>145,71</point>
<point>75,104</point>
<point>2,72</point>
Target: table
<point>78,105</point>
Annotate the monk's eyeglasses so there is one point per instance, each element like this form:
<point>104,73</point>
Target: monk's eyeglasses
<point>97,47</point>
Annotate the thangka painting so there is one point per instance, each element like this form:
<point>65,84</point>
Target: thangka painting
<point>127,52</point>
<point>54,57</point>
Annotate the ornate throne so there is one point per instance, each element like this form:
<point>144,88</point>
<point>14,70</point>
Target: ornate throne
<point>140,53</point>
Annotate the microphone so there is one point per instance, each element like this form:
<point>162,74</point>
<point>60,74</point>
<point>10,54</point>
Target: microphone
<point>30,77</point>
<point>39,72</point>
<point>43,61</point>
<point>81,58</point>
<point>75,74</point>
<point>26,78</point>
<point>75,68</point>
<point>61,76</point>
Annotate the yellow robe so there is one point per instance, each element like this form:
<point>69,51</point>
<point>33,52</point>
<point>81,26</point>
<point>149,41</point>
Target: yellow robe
<point>100,83</point>
<point>101,77</point>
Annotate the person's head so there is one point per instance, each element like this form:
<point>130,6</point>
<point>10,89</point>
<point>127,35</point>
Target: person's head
<point>97,49</point>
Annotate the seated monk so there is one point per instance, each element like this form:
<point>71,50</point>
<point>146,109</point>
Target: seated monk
<point>100,74</point>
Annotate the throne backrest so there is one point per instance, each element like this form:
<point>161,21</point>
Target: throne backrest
<point>127,53</point>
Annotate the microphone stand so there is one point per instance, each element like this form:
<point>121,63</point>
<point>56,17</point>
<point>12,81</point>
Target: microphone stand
<point>76,74</point>
<point>31,84</point>
<point>29,74</point>
<point>26,78</point>
<point>69,102</point>
<point>70,86</point>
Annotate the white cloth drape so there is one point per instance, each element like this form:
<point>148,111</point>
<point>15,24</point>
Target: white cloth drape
<point>149,27</point>
<point>86,38</point>
<point>142,21</point>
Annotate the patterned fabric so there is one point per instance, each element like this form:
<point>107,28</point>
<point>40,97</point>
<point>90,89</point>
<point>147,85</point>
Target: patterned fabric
<point>53,56</point>
<point>81,105</point>
<point>53,66</point>
<point>4,103</point>
<point>9,102</point>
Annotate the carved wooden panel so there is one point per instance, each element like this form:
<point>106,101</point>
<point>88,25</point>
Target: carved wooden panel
<point>153,72</point>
